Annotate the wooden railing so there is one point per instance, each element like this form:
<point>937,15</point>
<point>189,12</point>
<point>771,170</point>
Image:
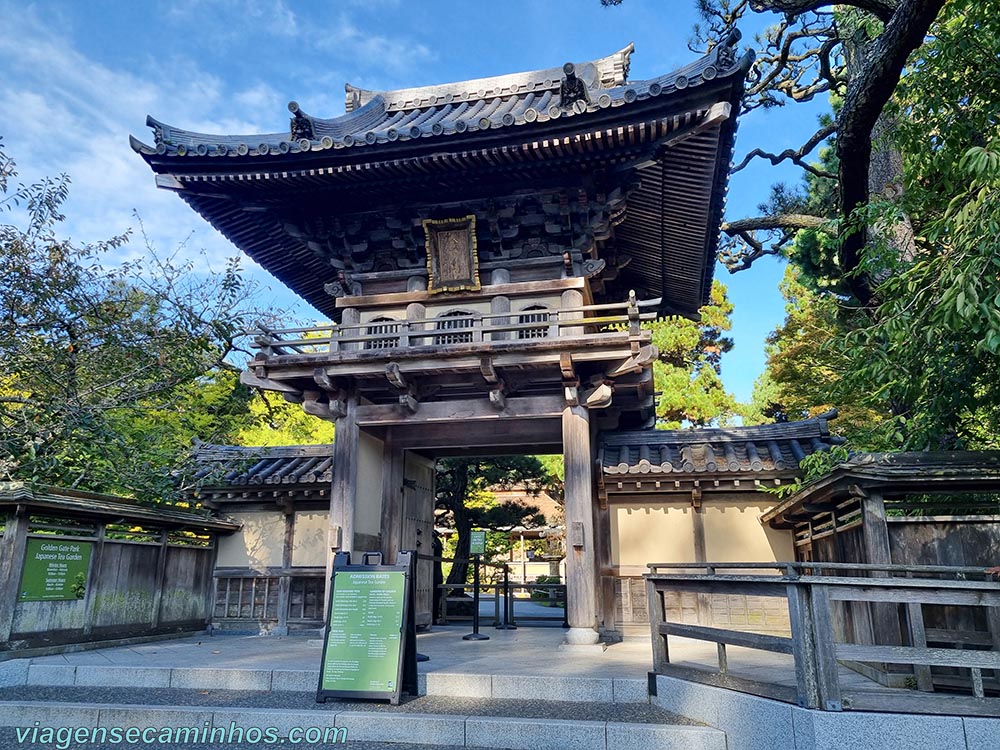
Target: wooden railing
<point>812,591</point>
<point>386,334</point>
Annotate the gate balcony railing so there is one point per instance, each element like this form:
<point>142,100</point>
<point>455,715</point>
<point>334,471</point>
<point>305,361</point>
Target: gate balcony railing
<point>456,329</point>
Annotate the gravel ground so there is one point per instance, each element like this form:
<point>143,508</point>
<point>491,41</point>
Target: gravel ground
<point>640,713</point>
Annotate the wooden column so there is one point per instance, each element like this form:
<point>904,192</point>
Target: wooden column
<point>500,304</point>
<point>606,581</point>
<point>161,573</point>
<point>344,487</point>
<point>12,548</point>
<point>285,579</point>
<point>885,617</point>
<point>581,575</point>
<point>392,500</point>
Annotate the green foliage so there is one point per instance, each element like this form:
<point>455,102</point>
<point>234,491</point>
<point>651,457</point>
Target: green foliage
<point>273,421</point>
<point>920,370</point>
<point>464,499</point>
<point>686,373</point>
<point>814,466</point>
<point>109,370</point>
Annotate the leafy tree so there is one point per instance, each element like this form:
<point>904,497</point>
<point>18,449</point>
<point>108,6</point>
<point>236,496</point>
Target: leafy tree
<point>687,371</point>
<point>464,500</point>
<point>110,370</point>
<point>922,363</point>
<point>273,421</point>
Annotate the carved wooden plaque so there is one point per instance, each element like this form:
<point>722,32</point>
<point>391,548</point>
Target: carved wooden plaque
<point>452,262</point>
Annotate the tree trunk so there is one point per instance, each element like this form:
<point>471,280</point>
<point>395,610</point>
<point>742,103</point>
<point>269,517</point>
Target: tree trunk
<point>463,526</point>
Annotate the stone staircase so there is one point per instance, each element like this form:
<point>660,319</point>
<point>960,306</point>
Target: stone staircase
<point>454,710</point>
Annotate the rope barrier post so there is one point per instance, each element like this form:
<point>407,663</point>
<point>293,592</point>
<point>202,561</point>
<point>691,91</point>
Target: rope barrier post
<point>475,635</point>
<point>508,623</point>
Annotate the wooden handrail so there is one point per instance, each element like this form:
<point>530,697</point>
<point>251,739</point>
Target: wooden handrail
<point>813,602</point>
<point>274,341</point>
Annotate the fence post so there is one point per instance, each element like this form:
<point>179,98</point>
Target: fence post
<point>475,635</point>
<point>94,575</point>
<point>657,617</point>
<point>827,675</point>
<point>161,572</point>
<point>12,550</point>
<point>803,645</point>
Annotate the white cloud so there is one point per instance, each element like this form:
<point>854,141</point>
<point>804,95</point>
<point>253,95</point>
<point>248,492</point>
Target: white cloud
<point>387,54</point>
<point>233,18</point>
<point>63,112</point>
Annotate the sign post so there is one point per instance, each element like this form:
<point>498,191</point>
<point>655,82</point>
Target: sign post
<point>477,548</point>
<point>370,647</point>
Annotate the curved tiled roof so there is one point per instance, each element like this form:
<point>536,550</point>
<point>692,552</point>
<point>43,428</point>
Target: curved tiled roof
<point>771,449</point>
<point>607,72</point>
<point>236,466</point>
<point>452,109</point>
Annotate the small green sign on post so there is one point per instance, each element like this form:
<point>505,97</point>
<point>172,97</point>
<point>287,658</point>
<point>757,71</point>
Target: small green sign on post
<point>477,542</point>
<point>54,570</point>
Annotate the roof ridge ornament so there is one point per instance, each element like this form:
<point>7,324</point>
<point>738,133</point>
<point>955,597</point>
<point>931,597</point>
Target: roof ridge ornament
<point>572,89</point>
<point>301,124</point>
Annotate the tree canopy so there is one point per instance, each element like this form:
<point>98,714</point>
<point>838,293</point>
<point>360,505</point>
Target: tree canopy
<point>110,368</point>
<point>464,499</point>
<point>894,290</point>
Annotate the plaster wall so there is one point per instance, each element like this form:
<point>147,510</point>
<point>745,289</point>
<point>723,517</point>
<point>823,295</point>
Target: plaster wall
<point>258,545</point>
<point>733,533</point>
<point>309,546</point>
<point>642,533</point>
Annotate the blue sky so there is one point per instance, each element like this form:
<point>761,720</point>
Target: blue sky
<point>76,78</point>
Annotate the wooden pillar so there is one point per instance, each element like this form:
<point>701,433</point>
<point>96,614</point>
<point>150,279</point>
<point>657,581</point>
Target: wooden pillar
<point>161,575</point>
<point>606,581</point>
<point>285,578</point>
<point>351,317</point>
<point>344,488</point>
<point>392,500</point>
<point>885,617</point>
<point>12,548</point>
<point>501,304</point>
<point>581,575</point>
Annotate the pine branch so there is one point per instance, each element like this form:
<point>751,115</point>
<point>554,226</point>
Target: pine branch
<point>795,156</point>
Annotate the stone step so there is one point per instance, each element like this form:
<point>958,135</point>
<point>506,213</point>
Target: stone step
<point>433,721</point>
<point>453,684</point>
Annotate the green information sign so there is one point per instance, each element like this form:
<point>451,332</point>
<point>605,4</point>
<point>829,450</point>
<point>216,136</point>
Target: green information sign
<point>477,542</point>
<point>54,569</point>
<point>364,647</point>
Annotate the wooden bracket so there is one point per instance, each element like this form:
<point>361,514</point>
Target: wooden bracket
<point>572,395</point>
<point>338,409</point>
<point>498,398</point>
<point>395,377</point>
<point>696,497</point>
<point>489,371</point>
<point>567,369</point>
<point>408,402</point>
<point>636,363</point>
<point>600,397</point>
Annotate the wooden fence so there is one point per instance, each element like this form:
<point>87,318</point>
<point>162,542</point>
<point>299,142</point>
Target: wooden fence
<point>131,578</point>
<point>969,669</point>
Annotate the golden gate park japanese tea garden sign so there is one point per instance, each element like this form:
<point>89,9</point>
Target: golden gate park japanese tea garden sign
<point>54,570</point>
<point>370,645</point>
